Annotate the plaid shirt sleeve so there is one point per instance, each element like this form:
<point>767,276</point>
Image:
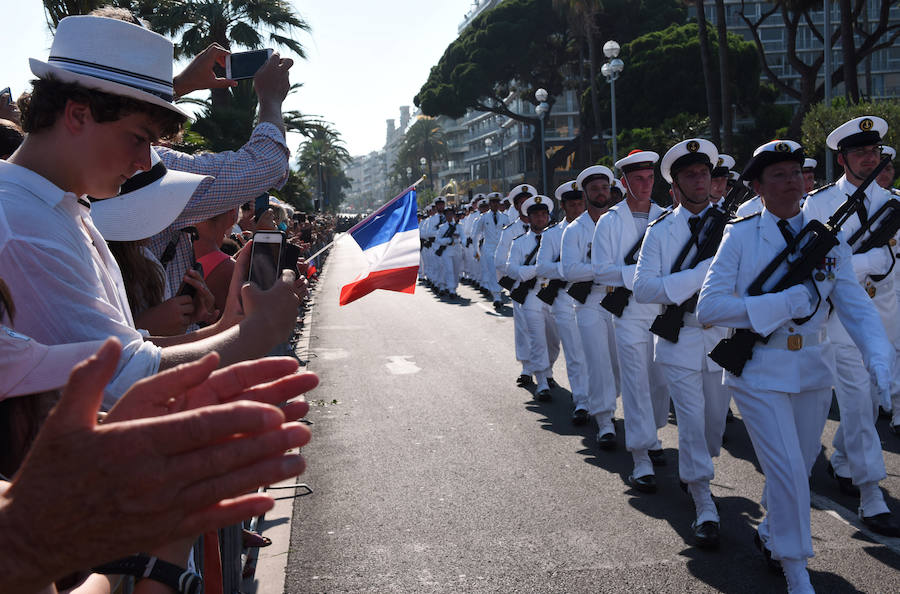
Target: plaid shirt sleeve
<point>240,176</point>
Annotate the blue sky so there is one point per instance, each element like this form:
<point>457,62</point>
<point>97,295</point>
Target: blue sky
<point>364,58</point>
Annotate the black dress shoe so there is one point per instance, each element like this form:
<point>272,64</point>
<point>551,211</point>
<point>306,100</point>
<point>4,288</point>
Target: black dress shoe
<point>543,396</point>
<point>644,484</point>
<point>883,524</point>
<point>607,441</point>
<point>845,484</point>
<point>706,535</point>
<point>580,417</point>
<point>552,383</point>
<point>498,305</point>
<point>523,381</point>
<point>657,457</point>
<point>774,565</point>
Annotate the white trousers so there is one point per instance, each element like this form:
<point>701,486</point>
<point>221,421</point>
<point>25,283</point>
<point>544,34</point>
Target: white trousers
<point>563,311</point>
<point>598,341</point>
<point>857,447</point>
<point>543,339</point>
<point>645,399</point>
<point>701,403</point>
<point>523,339</point>
<point>786,430</point>
<point>489,271</point>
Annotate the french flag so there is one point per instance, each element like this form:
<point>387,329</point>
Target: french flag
<point>389,239</point>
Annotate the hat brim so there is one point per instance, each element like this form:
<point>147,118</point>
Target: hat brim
<point>43,70</point>
<point>145,212</point>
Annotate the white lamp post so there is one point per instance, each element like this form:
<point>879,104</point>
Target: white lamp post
<point>487,145</point>
<point>541,109</point>
<point>611,71</point>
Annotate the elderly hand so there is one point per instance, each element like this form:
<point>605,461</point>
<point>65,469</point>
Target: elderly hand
<point>200,75</point>
<point>133,485</point>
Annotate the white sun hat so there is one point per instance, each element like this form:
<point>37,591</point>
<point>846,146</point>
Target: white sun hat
<point>149,202</point>
<point>114,57</point>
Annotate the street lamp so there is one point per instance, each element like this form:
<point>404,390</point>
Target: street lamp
<point>487,144</point>
<point>540,109</point>
<point>611,71</point>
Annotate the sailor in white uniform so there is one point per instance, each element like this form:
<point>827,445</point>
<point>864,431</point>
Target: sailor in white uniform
<point>488,230</point>
<point>784,389</point>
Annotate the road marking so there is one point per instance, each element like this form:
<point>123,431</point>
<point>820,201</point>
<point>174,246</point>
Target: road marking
<point>399,365</point>
<point>834,509</point>
<point>332,354</point>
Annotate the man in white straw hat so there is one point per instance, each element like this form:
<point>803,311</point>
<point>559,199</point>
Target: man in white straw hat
<point>100,100</point>
<point>616,242</point>
<point>857,463</point>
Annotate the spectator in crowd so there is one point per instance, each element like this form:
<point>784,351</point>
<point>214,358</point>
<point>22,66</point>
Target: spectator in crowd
<point>11,136</point>
<point>218,266</point>
<point>85,136</point>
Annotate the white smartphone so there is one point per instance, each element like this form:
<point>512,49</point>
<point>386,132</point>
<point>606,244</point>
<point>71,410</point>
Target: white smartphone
<point>265,258</point>
<point>243,65</point>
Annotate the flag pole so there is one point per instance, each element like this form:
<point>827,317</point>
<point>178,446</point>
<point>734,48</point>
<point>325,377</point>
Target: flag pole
<point>377,212</point>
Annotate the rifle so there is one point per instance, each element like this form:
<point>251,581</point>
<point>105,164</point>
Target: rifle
<point>448,233</point>
<point>616,300</point>
<point>580,291</point>
<point>507,282</point>
<point>521,292</point>
<point>669,323</point>
<point>733,353</point>
<point>548,294</point>
<point>888,217</point>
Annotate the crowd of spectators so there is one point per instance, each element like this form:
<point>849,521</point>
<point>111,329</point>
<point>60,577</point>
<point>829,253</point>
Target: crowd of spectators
<point>138,408</point>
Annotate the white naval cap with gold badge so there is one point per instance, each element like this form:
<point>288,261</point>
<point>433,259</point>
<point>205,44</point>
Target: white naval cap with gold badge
<point>861,131</point>
<point>536,202</point>
<point>519,193</point>
<point>637,159</point>
<point>723,166</point>
<point>889,151</point>
<point>809,163</point>
<point>587,174</point>
<point>770,153</point>
<point>569,190</point>
<point>686,153</point>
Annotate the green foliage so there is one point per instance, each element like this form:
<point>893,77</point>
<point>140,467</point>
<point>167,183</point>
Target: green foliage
<point>295,192</point>
<point>822,119</point>
<point>321,160</point>
<point>521,40</point>
<point>629,19</point>
<point>662,76</point>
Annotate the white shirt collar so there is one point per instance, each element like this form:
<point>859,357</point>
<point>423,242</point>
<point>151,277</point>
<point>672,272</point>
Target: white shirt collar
<point>33,183</point>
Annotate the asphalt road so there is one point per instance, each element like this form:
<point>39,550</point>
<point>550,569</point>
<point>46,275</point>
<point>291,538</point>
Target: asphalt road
<point>432,472</point>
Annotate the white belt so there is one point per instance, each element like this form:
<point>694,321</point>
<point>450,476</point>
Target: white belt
<point>793,341</point>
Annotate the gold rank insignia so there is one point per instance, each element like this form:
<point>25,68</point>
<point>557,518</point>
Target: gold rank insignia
<point>794,342</point>
<point>693,146</point>
<point>537,199</point>
<point>574,185</point>
<point>870,289</point>
<point>782,147</point>
<point>866,125</point>
<point>892,242</point>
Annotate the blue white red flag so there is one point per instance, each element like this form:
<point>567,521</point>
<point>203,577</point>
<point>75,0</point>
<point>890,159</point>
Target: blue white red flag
<point>389,239</point>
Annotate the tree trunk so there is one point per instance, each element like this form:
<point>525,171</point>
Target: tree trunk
<point>848,49</point>
<point>595,103</point>
<point>711,104</point>
<point>724,76</point>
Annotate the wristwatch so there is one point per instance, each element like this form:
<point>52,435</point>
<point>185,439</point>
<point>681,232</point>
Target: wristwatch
<point>142,566</point>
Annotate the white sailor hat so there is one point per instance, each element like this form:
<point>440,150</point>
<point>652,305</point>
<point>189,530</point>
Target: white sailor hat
<point>723,165</point>
<point>734,175</point>
<point>479,196</point>
<point>685,153</point>
<point>569,190</point>
<point>521,192</point>
<point>888,150</point>
<point>440,199</point>
<point>637,159</point>
<point>536,202</point>
<point>594,171</point>
<point>809,163</point>
<point>859,131</point>
<point>770,153</point>
<point>493,196</point>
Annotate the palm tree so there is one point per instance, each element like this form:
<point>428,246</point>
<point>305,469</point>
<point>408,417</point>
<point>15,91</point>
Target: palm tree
<point>57,10</point>
<point>582,15</point>
<point>425,138</point>
<point>724,76</point>
<point>248,24</point>
<point>323,157</point>
<point>712,107</point>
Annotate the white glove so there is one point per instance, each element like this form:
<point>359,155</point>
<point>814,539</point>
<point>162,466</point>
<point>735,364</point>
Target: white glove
<point>882,377</point>
<point>800,301</point>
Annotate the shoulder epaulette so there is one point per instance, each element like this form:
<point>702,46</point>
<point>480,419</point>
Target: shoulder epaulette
<point>895,191</point>
<point>518,236</point>
<point>817,190</point>
<point>659,218</point>
<point>742,219</point>
<point>550,226</point>
<point>508,225</point>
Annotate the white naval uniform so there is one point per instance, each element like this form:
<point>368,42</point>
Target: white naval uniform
<point>645,400</point>
<point>783,394</point>
<point>563,312</point>
<point>538,322</point>
<point>694,380</point>
<point>895,392</point>
<point>594,323</point>
<point>520,326</point>
<point>432,265</point>
<point>857,447</point>
<point>451,256</point>
<point>752,206</point>
<point>470,264</point>
<point>488,229</point>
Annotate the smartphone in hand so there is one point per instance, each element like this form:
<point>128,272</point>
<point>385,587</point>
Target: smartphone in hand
<point>187,289</point>
<point>265,258</point>
<point>243,65</point>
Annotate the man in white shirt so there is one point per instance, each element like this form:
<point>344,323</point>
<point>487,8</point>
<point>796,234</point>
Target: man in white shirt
<point>87,134</point>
